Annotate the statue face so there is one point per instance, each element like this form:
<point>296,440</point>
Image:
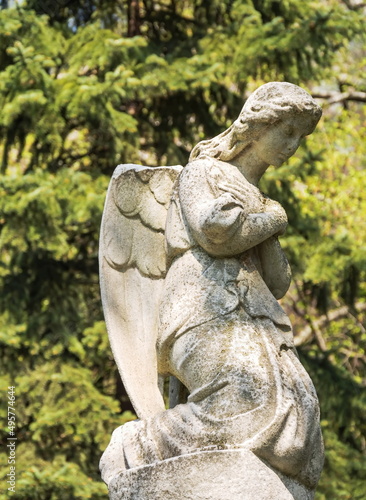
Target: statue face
<point>280,141</point>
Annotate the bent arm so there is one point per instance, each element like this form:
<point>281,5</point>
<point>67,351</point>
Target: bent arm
<point>276,270</point>
<point>221,224</point>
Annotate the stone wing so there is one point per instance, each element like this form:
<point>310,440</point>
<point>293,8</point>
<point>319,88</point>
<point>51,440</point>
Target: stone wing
<point>133,265</point>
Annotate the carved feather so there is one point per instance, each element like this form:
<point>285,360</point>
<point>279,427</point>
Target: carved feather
<point>132,270</point>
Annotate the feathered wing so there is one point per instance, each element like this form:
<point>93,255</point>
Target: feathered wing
<point>132,269</point>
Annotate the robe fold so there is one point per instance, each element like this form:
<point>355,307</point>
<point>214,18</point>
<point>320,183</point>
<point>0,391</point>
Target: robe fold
<point>223,334</point>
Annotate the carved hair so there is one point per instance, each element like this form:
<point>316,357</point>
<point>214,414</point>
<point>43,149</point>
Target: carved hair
<point>269,104</point>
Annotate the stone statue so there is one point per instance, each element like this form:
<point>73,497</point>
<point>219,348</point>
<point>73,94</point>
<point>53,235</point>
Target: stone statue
<point>191,270</point>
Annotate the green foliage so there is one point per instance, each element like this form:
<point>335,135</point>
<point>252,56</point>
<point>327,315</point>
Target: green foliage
<point>56,480</point>
<point>343,402</point>
<point>95,83</point>
<point>49,245</point>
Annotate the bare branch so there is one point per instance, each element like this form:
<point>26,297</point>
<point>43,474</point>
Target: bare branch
<point>354,6</point>
<point>313,330</point>
<point>337,97</point>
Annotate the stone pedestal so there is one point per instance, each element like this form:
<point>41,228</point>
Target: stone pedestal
<point>210,475</point>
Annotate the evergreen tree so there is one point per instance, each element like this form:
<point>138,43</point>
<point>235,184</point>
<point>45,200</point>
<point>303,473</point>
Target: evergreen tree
<point>88,84</point>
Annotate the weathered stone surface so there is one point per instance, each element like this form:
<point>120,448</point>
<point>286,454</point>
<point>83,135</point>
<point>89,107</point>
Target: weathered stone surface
<point>191,270</point>
<point>132,268</point>
<point>218,475</point>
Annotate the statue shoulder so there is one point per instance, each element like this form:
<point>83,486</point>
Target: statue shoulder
<point>204,172</point>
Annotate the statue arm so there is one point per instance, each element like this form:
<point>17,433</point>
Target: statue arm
<point>222,225</point>
<point>276,270</point>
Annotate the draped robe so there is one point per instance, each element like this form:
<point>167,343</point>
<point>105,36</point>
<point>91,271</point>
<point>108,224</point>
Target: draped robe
<point>225,337</point>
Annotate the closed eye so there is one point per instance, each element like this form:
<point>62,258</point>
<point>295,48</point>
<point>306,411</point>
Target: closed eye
<point>229,206</point>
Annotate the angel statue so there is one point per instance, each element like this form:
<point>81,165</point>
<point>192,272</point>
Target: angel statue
<point>191,270</point>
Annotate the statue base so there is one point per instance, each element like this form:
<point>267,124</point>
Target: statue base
<point>207,475</point>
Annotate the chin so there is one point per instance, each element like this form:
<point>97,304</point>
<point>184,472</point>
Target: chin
<point>278,163</point>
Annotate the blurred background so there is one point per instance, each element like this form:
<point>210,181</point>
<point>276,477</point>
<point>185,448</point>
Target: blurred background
<point>88,84</point>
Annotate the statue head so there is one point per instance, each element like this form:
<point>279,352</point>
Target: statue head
<point>269,104</point>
